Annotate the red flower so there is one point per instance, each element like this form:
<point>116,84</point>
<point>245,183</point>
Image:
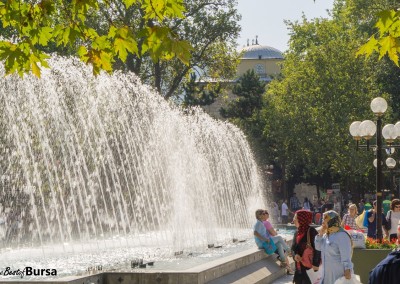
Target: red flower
<point>384,244</point>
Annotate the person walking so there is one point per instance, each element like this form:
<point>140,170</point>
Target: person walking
<point>393,218</point>
<point>285,212</point>
<point>371,215</point>
<point>337,205</point>
<point>275,213</point>
<point>302,220</point>
<point>336,249</point>
<point>294,203</point>
<point>361,206</point>
<point>349,219</point>
<point>307,204</point>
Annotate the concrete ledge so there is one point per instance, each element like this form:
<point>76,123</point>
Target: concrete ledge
<point>220,267</point>
<point>249,266</point>
<point>263,271</point>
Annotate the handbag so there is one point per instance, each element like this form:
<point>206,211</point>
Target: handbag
<point>269,247</point>
<point>388,224</point>
<point>308,254</point>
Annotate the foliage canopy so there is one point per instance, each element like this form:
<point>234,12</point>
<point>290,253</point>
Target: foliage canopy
<point>386,41</point>
<point>33,25</point>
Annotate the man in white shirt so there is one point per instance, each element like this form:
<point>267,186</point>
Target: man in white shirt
<point>285,212</point>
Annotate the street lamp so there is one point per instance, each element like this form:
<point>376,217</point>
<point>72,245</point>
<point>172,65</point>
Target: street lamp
<point>366,130</point>
<point>390,164</point>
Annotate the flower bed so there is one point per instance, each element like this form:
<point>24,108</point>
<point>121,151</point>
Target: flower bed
<point>365,260</point>
<point>375,244</point>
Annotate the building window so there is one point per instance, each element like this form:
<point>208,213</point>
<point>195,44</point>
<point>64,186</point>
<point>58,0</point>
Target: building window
<point>259,68</point>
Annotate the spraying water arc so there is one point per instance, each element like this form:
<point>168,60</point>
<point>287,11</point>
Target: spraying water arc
<point>91,158</point>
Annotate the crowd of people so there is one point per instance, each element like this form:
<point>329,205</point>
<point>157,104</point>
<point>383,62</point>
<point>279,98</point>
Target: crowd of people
<point>328,238</point>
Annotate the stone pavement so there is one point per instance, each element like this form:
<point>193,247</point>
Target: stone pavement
<point>287,279</point>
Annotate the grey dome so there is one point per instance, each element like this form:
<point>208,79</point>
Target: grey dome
<point>261,52</point>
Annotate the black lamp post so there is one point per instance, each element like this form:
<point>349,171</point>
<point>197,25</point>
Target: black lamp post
<point>379,178</point>
<point>366,130</point>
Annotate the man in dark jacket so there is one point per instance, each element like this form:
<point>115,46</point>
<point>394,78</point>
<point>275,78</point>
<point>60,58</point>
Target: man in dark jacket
<point>387,271</point>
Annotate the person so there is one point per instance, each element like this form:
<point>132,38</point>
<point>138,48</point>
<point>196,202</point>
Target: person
<point>324,206</point>
<point>387,271</point>
<point>302,220</point>
<point>261,236</point>
<point>281,245</point>
<point>260,233</point>
<point>371,216</point>
<point>294,203</point>
<point>367,206</point>
<point>398,235</point>
<point>361,206</point>
<point>275,212</point>
<point>349,219</point>
<point>337,206</point>
<point>285,212</point>
<point>393,216</point>
<point>336,249</point>
<point>307,204</point>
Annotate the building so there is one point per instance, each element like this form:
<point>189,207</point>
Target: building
<point>263,59</point>
<point>265,62</point>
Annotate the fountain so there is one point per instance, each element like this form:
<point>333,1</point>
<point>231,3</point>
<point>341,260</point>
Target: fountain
<point>92,163</point>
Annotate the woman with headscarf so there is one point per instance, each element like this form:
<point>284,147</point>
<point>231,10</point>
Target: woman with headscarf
<point>336,249</point>
<point>302,220</point>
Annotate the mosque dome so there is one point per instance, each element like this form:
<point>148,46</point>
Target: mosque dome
<point>257,51</point>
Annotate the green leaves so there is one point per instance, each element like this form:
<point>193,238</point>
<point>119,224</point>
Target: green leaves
<point>162,8</point>
<point>129,3</point>
<point>159,45</point>
<point>45,35</point>
<point>36,25</point>
<point>21,58</point>
<point>388,41</point>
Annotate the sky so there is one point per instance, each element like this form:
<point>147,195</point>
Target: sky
<point>264,18</point>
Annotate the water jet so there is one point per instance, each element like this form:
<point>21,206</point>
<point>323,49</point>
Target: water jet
<point>104,167</point>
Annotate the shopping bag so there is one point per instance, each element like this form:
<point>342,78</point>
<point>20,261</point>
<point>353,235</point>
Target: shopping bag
<point>365,222</point>
<point>360,220</point>
<point>269,247</point>
<point>355,279</point>
<point>315,276</point>
<point>358,239</point>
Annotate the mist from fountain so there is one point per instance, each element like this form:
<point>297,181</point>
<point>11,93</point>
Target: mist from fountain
<point>91,158</point>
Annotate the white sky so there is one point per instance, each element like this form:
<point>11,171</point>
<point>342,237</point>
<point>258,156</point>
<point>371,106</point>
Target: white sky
<point>265,19</point>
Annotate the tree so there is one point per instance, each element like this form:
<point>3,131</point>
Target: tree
<point>248,89</point>
<point>199,94</point>
<point>162,41</point>
<point>33,25</point>
<point>211,27</point>
<point>245,111</point>
<point>323,89</point>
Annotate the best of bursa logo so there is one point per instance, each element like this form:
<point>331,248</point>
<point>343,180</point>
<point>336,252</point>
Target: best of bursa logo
<point>28,271</point>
